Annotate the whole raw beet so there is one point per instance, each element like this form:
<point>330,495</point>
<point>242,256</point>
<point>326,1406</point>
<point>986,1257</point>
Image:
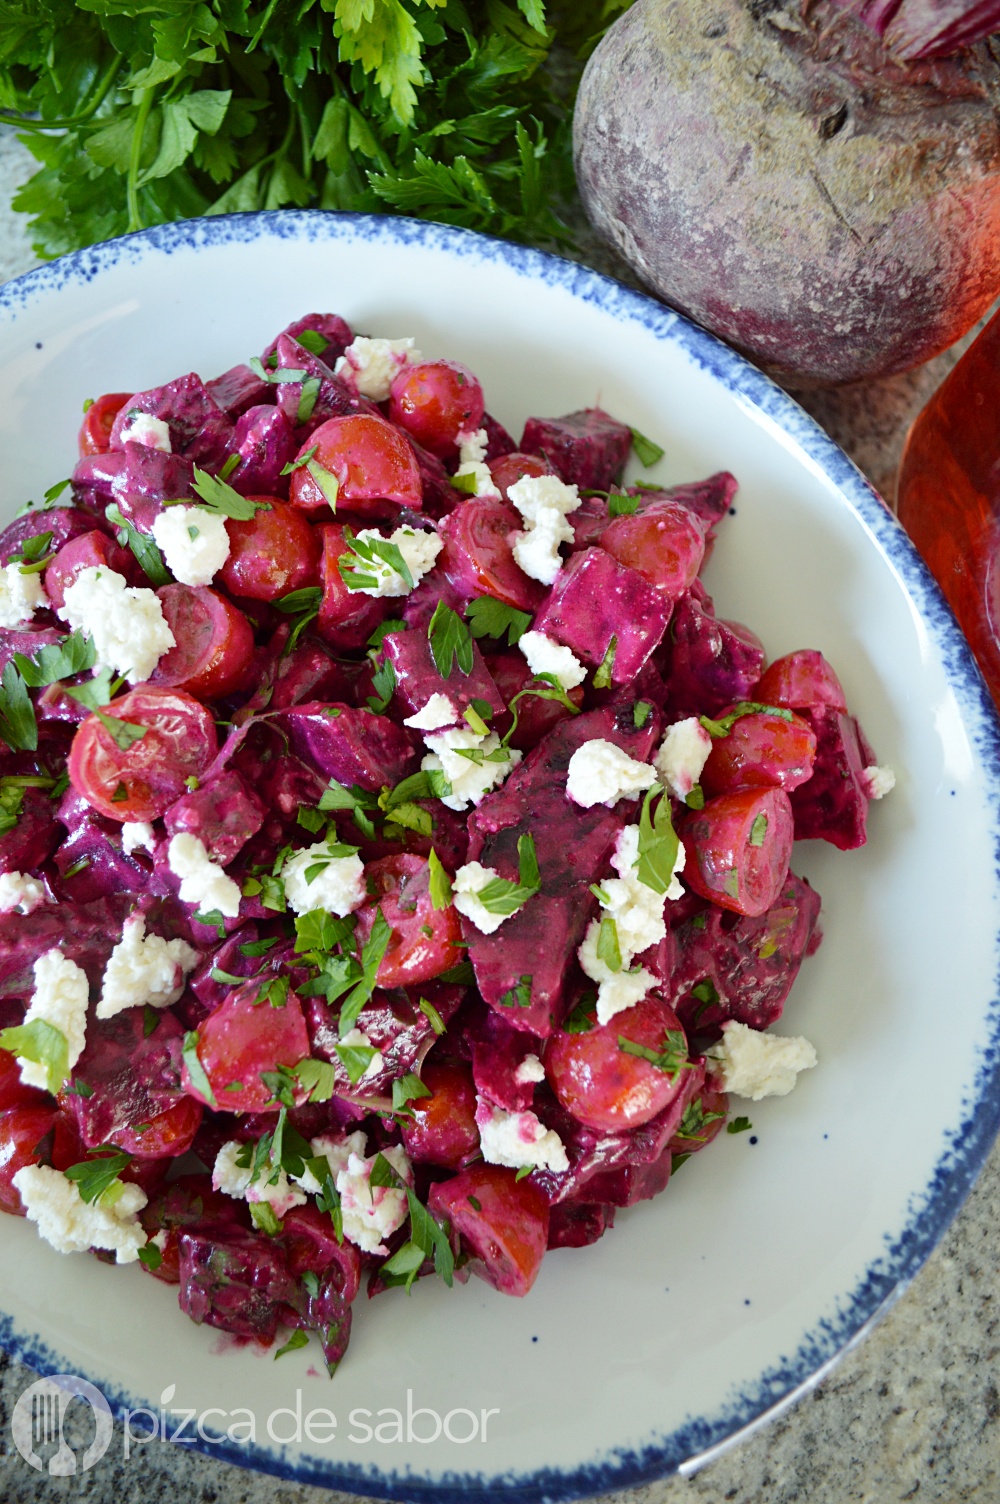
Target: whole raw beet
<point>830,211</point>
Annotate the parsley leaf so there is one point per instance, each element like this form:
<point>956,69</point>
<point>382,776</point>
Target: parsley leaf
<point>360,570</point>
<point>739,1125</point>
<point>450,639</point>
<point>384,685</point>
<point>18,726</point>
<point>94,1177</point>
<point>499,896</point>
<point>408,1088</point>
<point>298,1339</point>
<point>218,497</point>
<point>440,882</point>
<point>43,1044</point>
<point>144,548</point>
<point>315,1077</point>
<point>518,996</point>
<point>489,617</point>
<point>372,953</point>
<point>659,844</point>
<point>621,505</point>
<point>671,1059</point>
<point>746,707</point>
<point>432,1015</point>
<point>195,1069</point>
<point>57,661</point>
<point>646,452</point>
<point>602,674</point>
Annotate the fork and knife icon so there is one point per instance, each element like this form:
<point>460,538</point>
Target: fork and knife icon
<point>38,1419</point>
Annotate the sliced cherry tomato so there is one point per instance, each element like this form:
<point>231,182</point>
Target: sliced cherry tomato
<point>703,1119</point>
<point>801,681</point>
<point>761,751</point>
<point>605,1086</point>
<point>13,1092</point>
<point>535,716</point>
<point>241,1041</point>
<point>169,1134</point>
<point>347,618</point>
<point>87,551</point>
<point>98,421</point>
<point>738,848</point>
<point>443,1128</point>
<point>435,402</point>
<point>663,543</point>
<point>272,554</point>
<point>510,468</point>
<point>424,940</point>
<point>371,462</point>
<point>502,1221</point>
<point>477,558</point>
<point>22,1130</point>
<point>139,781</point>
<point>214,643</point>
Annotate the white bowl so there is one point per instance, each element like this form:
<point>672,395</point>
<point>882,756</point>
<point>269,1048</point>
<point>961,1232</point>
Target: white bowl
<point>710,1307</point>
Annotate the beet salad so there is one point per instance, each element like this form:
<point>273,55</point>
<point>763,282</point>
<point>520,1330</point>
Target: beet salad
<point>394,843</point>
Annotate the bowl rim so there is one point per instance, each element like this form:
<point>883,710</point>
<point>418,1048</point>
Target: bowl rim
<point>698,1441</point>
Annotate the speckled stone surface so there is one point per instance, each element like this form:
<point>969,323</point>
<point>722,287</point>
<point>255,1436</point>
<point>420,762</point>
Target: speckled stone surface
<point>911,1413</point>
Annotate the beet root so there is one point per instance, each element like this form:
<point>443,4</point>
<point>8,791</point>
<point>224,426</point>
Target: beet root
<point>831,211</point>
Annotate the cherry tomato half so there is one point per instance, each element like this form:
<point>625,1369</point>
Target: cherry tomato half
<point>443,1128</point>
<point>272,554</point>
<point>241,1041</point>
<point>139,781</point>
<point>738,848</point>
<point>477,558</point>
<point>663,543</point>
<point>424,940</point>
<point>435,402</point>
<point>98,421</point>
<point>370,460</point>
<point>606,1087</point>
<point>801,681</point>
<point>214,643</point>
<point>503,1221</point>
<point>762,750</point>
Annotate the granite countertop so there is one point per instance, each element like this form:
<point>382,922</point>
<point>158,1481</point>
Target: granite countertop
<point>912,1412</point>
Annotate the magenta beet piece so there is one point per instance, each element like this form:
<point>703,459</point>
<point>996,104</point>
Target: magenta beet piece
<point>26,640</point>
<point>522,969</point>
<point>92,864</point>
<point>497,1051</point>
<point>577,1224</point>
<point>595,599</point>
<point>833,805</point>
<point>421,603</point>
<point>237,389</point>
<point>265,441</point>
<point>132,1075</point>
<point>308,672</point>
<point>97,479</point>
<point>587,448</point>
<point>712,663</point>
<point>628,1184</point>
<point>223,813</point>
<point>731,966</point>
<point>203,986</point>
<point>353,746</point>
<point>498,440</point>
<point>287,783</point>
<point>394,1022</point>
<point>332,400</point>
<point>439,495</point>
<point>335,330</point>
<point>709,499</point>
<point>199,429</point>
<point>150,478</point>
<point>34,837</point>
<point>63,523</point>
<point>237,1281</point>
<point>85,933</point>
<point>90,550</point>
<point>417,676</point>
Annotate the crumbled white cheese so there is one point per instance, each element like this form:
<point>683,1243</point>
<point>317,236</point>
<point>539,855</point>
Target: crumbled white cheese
<point>601,773</point>
<point>21,595</point>
<point>465,896</point>
<point>336,1152</point>
<point>547,657</point>
<point>136,834</point>
<point>682,755</point>
<point>878,781</point>
<point>73,1225</point>
<point>144,969</point>
<point>472,448</point>
<point>372,1213</point>
<point>203,881</point>
<point>194,543</point>
<point>372,365</point>
<point>616,990</point>
<point>470,780</point>
<point>60,999</point>
<point>530,1070</point>
<point>543,501</point>
<point>418,549</point>
<point>338,886</point>
<point>357,1038</point>
<point>271,1184</point>
<point>518,1139</point>
<point>752,1064</point>
<point>126,622</point>
<point>636,909</point>
<point>436,714</point>
<point>143,428</point>
<point>20,892</point>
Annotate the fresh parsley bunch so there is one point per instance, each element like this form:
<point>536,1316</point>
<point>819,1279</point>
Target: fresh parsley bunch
<point>166,109</point>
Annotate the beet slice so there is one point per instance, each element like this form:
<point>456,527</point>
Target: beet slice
<point>353,746</point>
<point>595,602</point>
<point>588,448</point>
<point>417,675</point>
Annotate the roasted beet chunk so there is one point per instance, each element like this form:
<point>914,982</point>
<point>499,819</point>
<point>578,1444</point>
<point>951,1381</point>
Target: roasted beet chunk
<point>127,1087</point>
<point>587,448</point>
<point>91,862</point>
<point>394,1021</point>
<point>148,479</point>
<point>576,1224</point>
<point>334,331</point>
<point>85,933</point>
<point>522,968</point>
<point>833,805</point>
<point>417,675</point>
<point>733,966</point>
<point>33,838</point>
<point>238,389</point>
<point>353,746</point>
<point>309,406</point>
<point>223,813</point>
<point>63,523</point>
<point>236,1280</point>
<point>265,441</point>
<point>595,602</point>
<point>712,663</point>
<point>708,499</point>
<point>199,429</point>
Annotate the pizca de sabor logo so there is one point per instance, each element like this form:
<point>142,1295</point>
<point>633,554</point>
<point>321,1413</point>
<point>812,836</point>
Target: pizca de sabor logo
<point>37,1425</point>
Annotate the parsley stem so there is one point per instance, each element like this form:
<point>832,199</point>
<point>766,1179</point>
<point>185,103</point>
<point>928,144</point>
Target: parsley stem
<point>24,123</point>
<point>135,221</point>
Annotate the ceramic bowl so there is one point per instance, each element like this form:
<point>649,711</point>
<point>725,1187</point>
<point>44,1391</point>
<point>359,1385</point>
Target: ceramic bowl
<point>709,1308</point>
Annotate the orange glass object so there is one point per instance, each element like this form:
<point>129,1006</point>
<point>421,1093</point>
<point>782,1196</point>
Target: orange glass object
<point>949,495</point>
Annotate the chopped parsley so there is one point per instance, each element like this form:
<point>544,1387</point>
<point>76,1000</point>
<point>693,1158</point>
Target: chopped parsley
<point>489,617</point>
<point>450,640</point>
